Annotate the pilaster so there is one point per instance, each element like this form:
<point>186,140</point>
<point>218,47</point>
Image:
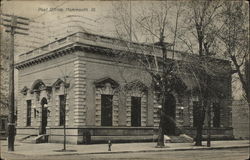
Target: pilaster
<point>156,112</point>
<point>80,92</point>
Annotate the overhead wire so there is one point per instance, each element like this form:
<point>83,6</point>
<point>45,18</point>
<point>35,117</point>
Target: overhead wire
<point>42,32</point>
<point>33,20</point>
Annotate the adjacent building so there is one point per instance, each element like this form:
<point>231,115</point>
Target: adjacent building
<point>108,97</point>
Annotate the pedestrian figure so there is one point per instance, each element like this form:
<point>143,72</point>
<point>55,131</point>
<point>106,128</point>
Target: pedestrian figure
<point>109,145</point>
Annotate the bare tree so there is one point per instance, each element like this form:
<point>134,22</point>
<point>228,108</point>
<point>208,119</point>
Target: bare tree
<point>200,21</point>
<point>235,40</point>
<point>158,22</point>
<point>149,29</point>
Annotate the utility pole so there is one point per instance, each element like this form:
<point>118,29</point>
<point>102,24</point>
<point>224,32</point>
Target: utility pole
<point>130,22</point>
<point>11,23</point>
<point>248,85</point>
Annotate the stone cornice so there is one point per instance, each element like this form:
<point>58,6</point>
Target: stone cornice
<point>80,40</point>
<point>90,42</point>
<point>47,56</point>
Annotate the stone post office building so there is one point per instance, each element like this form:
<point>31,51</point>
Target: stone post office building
<point>107,98</point>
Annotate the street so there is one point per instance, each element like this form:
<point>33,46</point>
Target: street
<point>226,154</point>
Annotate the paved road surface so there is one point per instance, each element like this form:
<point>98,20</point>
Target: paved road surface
<point>223,154</point>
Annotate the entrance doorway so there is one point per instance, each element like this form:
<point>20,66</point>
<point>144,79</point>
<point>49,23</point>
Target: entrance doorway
<point>169,125</point>
<point>106,110</point>
<point>44,116</point>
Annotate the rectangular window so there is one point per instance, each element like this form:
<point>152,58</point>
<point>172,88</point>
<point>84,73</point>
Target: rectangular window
<point>195,113</point>
<point>35,113</point>
<point>61,110</point>
<point>135,111</point>
<point>28,122</point>
<point>106,110</point>
<point>216,113</point>
<point>3,124</point>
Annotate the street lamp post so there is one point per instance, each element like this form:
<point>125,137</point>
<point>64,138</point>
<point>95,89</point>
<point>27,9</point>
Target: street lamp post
<point>66,86</point>
<point>209,127</point>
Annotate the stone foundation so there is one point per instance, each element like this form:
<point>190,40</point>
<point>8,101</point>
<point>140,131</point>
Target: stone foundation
<point>115,134</point>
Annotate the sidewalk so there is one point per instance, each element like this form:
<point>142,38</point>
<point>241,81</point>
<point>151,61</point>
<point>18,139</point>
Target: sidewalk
<point>53,149</point>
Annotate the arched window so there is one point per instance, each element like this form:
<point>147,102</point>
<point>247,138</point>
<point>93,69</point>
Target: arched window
<point>38,85</point>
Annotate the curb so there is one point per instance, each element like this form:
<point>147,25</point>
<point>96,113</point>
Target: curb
<point>118,152</point>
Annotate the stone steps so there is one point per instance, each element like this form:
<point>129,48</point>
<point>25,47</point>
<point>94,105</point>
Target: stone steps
<point>182,138</point>
<point>36,139</point>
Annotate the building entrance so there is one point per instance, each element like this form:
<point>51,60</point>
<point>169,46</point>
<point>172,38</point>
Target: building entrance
<point>44,116</point>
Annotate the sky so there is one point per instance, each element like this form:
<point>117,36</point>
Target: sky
<point>36,10</point>
<point>51,20</point>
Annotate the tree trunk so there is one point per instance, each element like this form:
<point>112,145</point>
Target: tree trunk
<point>198,138</point>
<point>199,127</point>
<point>160,142</point>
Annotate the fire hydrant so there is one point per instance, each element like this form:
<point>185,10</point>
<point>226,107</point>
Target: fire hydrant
<point>109,145</point>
